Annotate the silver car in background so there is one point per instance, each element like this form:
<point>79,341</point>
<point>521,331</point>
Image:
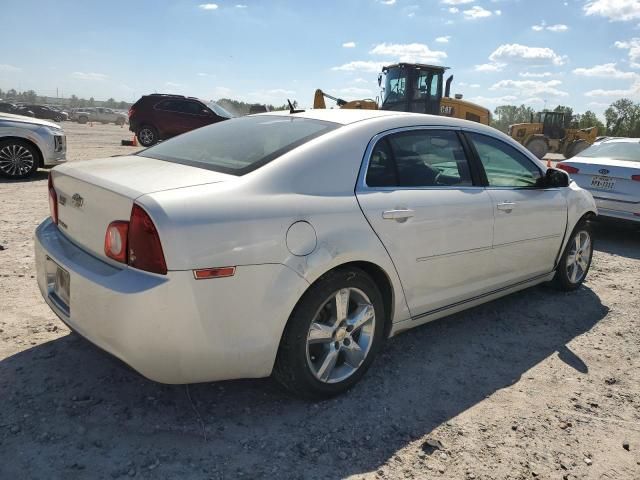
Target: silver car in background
<point>610,170</point>
<point>28,143</point>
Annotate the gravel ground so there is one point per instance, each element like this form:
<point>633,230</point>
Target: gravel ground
<point>538,384</point>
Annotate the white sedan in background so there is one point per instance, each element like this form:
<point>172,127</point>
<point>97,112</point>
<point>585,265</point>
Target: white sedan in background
<point>294,244</point>
<point>610,170</point>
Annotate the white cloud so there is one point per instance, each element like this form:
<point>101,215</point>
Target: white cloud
<point>89,76</point>
<point>6,68</point>
<point>454,10</point>
<point>360,65</point>
<point>410,52</point>
<point>443,39</point>
<point>498,12</point>
<point>356,91</point>
<point>476,12</point>
<point>633,46</point>
<point>474,85</point>
<point>516,53</point>
<point>456,2</point>
<point>607,70</point>
<point>614,10</point>
<point>360,80</point>
<point>240,5</point>
<point>633,91</point>
<point>388,2</point>
<point>560,27</point>
<point>534,75</point>
<point>493,101</point>
<point>208,6</point>
<point>349,45</point>
<point>490,67</point>
<point>532,87</point>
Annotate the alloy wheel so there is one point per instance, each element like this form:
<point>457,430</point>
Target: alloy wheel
<point>340,335</point>
<point>579,256</point>
<point>16,160</point>
<point>146,136</point>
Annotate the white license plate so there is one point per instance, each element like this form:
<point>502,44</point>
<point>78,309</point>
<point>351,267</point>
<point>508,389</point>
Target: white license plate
<point>603,183</point>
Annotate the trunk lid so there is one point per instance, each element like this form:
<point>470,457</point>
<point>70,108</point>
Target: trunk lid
<point>94,193</point>
<point>608,178</point>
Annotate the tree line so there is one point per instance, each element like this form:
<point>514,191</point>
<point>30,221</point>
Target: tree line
<point>622,118</point>
<point>30,96</point>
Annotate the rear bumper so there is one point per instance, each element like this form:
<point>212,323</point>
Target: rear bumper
<point>173,328</point>
<point>625,210</point>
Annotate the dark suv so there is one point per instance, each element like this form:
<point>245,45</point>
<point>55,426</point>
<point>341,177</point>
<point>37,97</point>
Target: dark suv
<point>158,116</point>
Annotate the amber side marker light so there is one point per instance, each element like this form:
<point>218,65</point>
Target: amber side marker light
<point>220,272</point>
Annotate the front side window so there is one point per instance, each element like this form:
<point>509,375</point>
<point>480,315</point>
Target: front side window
<point>239,145</point>
<point>503,164</point>
<point>419,158</point>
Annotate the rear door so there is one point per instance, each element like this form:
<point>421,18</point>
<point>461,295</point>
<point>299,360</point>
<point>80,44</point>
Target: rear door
<point>530,220</point>
<point>419,195</point>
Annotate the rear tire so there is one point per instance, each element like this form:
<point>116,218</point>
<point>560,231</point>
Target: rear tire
<point>147,135</point>
<point>83,120</point>
<point>323,352</point>
<point>576,258</point>
<point>576,147</point>
<point>538,146</point>
<point>18,159</point>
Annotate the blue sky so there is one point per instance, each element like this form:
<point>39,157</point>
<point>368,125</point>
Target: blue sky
<point>583,53</point>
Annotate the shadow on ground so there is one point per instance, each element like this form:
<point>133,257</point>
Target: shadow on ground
<point>68,410</point>
<point>618,238</point>
<point>41,174</point>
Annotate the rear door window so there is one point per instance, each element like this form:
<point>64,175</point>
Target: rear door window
<point>419,158</point>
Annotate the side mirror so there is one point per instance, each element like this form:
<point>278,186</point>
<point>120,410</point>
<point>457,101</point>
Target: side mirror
<point>555,178</point>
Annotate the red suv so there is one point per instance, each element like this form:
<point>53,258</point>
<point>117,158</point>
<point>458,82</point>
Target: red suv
<point>158,116</point>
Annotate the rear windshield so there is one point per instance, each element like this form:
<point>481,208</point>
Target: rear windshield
<point>616,150</point>
<point>218,110</point>
<point>239,145</point>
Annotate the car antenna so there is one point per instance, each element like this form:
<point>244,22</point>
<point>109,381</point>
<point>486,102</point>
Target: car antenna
<point>292,109</point>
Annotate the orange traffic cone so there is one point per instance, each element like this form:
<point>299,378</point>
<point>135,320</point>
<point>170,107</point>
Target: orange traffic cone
<point>134,141</point>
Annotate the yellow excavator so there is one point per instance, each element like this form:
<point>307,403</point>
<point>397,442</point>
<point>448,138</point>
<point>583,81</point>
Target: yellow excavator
<point>414,87</point>
<point>550,132</point>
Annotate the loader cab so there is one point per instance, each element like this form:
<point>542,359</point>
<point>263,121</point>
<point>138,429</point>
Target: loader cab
<point>553,124</point>
<point>412,88</point>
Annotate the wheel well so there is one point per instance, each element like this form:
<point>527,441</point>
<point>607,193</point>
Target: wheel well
<point>381,279</point>
<point>35,147</point>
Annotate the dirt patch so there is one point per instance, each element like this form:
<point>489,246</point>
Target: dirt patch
<point>538,384</point>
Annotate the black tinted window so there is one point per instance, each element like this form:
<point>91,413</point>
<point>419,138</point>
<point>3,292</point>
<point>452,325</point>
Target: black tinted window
<point>419,158</point>
<point>239,145</point>
<point>170,105</point>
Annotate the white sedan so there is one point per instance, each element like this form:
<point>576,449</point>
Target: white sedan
<point>610,170</point>
<point>294,244</point>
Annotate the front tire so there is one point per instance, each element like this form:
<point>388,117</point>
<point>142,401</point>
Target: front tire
<point>332,336</point>
<point>576,258</point>
<point>18,159</point>
<point>147,136</point>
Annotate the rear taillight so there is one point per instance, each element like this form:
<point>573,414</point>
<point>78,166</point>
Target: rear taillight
<point>53,200</point>
<point>135,242</point>
<point>635,177</point>
<point>145,249</point>
<point>115,241</point>
<point>567,168</point>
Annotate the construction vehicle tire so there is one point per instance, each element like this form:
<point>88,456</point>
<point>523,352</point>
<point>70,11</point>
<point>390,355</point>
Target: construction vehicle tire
<point>576,147</point>
<point>538,146</point>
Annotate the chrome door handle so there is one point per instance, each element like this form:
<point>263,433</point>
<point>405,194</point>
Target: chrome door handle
<point>506,206</point>
<point>398,214</point>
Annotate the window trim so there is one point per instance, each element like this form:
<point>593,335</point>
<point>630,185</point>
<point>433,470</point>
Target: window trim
<point>483,173</point>
<point>362,185</point>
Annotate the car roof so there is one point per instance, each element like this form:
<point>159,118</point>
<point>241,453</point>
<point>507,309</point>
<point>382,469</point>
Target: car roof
<point>341,116</point>
<point>619,140</point>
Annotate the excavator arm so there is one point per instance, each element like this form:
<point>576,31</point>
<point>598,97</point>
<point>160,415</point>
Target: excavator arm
<point>366,104</point>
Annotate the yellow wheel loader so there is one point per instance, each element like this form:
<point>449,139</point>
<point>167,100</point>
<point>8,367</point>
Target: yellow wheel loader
<point>415,87</point>
<point>550,133</point>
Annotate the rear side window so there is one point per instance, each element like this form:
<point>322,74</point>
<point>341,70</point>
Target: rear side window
<point>239,145</point>
<point>419,158</point>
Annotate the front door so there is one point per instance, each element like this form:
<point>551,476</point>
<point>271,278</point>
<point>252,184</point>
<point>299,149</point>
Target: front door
<point>419,195</point>
<point>530,220</point>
